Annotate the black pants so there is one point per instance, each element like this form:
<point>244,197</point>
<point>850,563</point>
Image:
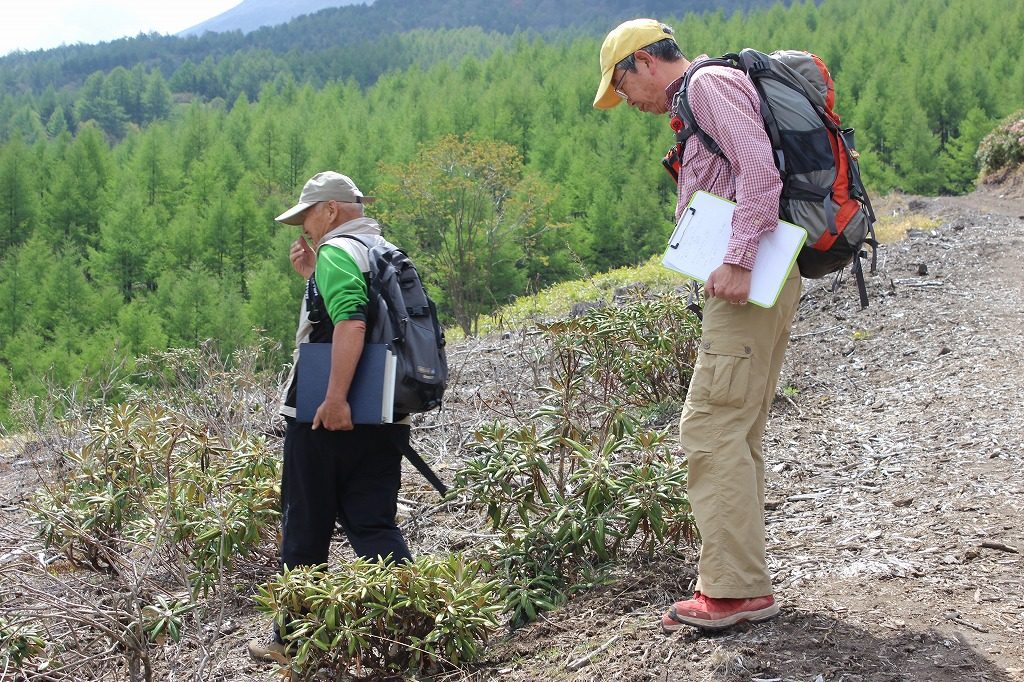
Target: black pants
<point>349,477</point>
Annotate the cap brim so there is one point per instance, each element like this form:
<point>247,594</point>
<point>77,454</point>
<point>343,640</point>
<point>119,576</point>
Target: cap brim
<point>293,216</point>
<point>606,97</point>
<point>367,200</point>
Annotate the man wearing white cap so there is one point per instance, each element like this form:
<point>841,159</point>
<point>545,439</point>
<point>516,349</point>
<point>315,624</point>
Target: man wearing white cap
<point>742,346</point>
<point>333,471</point>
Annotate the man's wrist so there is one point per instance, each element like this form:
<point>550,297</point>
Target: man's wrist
<point>336,397</point>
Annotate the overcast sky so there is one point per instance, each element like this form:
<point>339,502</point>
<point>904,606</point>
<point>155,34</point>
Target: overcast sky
<point>35,24</point>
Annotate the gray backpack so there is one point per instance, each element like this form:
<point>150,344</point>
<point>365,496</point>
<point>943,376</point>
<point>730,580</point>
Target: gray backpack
<point>822,189</point>
<point>401,315</point>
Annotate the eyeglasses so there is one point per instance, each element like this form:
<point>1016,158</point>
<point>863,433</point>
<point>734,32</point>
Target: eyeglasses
<point>618,85</point>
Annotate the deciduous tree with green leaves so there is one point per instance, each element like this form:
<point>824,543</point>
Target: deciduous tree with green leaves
<point>455,207</point>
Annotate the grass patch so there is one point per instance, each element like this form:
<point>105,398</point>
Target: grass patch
<point>896,216</point>
<point>891,229</point>
<point>556,301</point>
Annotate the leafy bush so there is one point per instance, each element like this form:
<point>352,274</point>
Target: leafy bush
<point>168,496</point>
<point>636,354</point>
<point>433,612</point>
<point>563,509</point>
<point>19,643</point>
<point>145,477</point>
<point>1003,148</point>
<point>583,482</point>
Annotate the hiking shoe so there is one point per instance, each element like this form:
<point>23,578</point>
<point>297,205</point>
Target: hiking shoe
<point>709,613</point>
<point>269,650</point>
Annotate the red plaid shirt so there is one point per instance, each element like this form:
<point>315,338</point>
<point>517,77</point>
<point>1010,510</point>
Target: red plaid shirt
<point>727,108</point>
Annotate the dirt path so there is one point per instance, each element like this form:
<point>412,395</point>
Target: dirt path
<point>900,489</point>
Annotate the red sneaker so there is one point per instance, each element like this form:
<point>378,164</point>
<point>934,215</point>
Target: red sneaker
<point>709,613</point>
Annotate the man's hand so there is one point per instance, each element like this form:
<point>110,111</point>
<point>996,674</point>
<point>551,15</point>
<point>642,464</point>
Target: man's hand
<point>730,282</point>
<point>303,258</point>
<point>333,415</point>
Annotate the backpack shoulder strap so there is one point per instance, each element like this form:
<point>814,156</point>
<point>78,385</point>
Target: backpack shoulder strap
<point>681,106</point>
<point>363,239</point>
<point>357,255</point>
<point>424,468</point>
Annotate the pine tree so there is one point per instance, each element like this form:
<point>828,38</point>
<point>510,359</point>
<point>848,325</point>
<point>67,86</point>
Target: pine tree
<point>959,165</point>
<point>19,288</point>
<point>97,103</point>
<point>126,244</point>
<point>273,304</point>
<point>57,123</point>
<point>156,99</point>
<point>152,167</point>
<point>19,205</point>
<point>76,198</point>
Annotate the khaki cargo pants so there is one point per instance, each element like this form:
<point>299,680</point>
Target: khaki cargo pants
<point>721,430</point>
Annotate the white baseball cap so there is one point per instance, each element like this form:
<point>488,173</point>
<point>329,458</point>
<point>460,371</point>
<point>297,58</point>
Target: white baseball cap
<point>323,187</point>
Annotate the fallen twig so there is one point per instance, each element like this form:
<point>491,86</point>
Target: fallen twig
<point>967,623</point>
<point>579,663</point>
<point>988,544</point>
<point>799,412</point>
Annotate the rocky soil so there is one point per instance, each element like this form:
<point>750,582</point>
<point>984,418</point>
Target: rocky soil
<point>894,510</point>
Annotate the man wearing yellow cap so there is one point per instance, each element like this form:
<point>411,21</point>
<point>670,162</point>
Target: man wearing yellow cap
<point>742,346</point>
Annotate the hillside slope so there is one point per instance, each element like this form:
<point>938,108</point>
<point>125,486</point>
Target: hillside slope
<point>893,497</point>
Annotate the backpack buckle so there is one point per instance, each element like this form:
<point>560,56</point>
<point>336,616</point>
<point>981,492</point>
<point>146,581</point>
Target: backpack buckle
<point>758,67</point>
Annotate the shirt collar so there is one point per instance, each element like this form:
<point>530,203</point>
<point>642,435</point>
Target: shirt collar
<point>362,225</point>
<point>673,87</point>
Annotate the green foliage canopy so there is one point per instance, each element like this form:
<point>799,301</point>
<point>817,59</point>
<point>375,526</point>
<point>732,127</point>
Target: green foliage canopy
<point>136,211</point>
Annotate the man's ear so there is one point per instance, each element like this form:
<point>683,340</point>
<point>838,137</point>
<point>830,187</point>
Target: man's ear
<point>645,58</point>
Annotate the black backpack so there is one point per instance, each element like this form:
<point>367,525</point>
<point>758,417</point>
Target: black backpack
<point>822,189</point>
<point>401,314</point>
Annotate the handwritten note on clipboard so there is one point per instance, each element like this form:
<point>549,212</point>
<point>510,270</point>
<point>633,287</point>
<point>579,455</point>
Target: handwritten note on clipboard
<point>701,238</point>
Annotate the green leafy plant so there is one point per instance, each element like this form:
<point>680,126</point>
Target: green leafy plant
<point>638,353</point>
<point>163,619</point>
<point>436,612</point>
<point>563,509</point>
<point>146,477</point>
<point>19,643</point>
<point>583,482</point>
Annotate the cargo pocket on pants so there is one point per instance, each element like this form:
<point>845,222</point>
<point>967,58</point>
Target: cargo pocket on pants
<point>729,362</point>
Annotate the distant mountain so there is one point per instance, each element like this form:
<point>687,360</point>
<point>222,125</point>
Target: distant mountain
<point>322,42</point>
<point>253,14</point>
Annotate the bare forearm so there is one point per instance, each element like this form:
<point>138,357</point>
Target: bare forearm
<point>347,346</point>
<point>334,413</point>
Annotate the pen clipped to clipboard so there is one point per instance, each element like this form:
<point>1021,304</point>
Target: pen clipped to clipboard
<point>701,238</point>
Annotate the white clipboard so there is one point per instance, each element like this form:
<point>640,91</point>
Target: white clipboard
<point>701,238</point>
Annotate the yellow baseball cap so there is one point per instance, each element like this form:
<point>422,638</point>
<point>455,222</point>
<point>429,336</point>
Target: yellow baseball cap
<point>624,40</point>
